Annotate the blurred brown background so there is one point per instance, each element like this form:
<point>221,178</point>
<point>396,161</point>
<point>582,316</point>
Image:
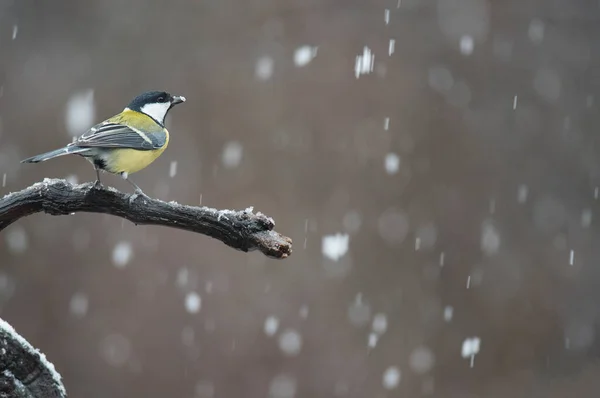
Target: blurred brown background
<point>470,212</point>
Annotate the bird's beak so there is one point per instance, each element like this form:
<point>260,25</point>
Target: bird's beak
<point>177,99</point>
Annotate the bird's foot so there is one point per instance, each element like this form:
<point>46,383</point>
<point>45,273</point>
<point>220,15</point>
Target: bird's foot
<point>138,193</point>
<point>141,193</point>
<point>98,185</point>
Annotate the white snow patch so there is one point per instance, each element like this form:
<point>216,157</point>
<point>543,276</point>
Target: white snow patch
<point>72,179</point>
<point>20,388</point>
<point>8,329</point>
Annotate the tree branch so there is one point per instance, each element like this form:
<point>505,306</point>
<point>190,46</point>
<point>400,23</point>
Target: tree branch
<point>242,230</point>
<point>24,371</point>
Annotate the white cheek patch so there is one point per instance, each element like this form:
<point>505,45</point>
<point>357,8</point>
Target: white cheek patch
<point>157,111</point>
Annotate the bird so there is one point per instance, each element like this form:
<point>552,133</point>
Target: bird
<point>125,143</point>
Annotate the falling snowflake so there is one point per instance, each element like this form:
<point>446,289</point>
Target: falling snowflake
<point>364,63</point>
<point>466,45</point>
<point>391,378</point>
<point>173,169</point>
<point>392,163</point>
<point>80,112</point>
<point>193,302</point>
<point>232,154</point>
<point>303,55</point>
<point>122,254</point>
<point>264,68</point>
<point>271,326</point>
<point>335,246</point>
<point>470,348</point>
<point>290,342</point>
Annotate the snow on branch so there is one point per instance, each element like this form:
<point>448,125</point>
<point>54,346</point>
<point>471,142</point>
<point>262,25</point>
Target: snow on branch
<point>24,371</point>
<point>243,230</point>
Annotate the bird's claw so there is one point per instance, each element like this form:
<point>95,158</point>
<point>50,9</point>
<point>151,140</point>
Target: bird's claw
<point>137,193</point>
<point>98,185</point>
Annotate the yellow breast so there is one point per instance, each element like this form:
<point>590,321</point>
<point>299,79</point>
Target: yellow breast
<point>132,160</point>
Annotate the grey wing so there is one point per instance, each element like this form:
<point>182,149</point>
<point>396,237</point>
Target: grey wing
<point>115,135</point>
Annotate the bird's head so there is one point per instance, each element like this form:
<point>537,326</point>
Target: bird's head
<point>155,104</point>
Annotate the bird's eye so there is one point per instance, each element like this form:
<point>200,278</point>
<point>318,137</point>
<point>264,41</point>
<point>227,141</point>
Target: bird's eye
<point>161,99</point>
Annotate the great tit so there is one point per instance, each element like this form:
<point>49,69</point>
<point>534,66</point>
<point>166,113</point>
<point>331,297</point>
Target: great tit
<point>127,142</point>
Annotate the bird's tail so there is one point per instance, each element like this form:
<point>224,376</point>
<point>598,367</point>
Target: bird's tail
<point>54,154</point>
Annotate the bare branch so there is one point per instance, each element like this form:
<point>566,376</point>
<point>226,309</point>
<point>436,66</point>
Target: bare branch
<point>24,371</point>
<point>242,230</point>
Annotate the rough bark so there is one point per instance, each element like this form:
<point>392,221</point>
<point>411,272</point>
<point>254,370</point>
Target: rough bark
<point>243,230</point>
<point>24,371</point>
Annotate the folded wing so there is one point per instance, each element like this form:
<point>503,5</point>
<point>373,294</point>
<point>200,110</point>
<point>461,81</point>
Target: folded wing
<point>115,135</point>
